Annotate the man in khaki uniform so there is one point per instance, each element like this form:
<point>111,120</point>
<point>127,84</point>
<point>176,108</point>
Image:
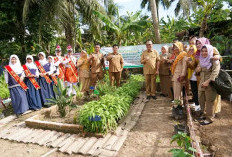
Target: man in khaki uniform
<point>97,65</point>
<point>151,60</point>
<point>115,66</point>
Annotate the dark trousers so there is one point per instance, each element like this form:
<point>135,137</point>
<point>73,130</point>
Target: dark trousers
<point>194,91</point>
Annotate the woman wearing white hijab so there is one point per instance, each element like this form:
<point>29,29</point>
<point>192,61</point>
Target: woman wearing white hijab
<point>33,95</point>
<point>53,71</point>
<point>17,93</point>
<point>46,92</point>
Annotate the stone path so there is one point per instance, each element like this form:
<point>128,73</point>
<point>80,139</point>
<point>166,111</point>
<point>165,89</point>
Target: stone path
<point>152,134</point>
<point>74,143</point>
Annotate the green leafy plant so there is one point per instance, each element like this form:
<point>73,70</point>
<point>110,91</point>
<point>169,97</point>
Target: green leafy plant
<point>4,91</point>
<point>79,94</point>
<point>62,100</point>
<point>184,142</point>
<point>110,108</point>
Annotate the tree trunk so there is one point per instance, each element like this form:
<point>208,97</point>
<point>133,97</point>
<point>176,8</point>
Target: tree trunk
<point>155,21</point>
<point>203,26</point>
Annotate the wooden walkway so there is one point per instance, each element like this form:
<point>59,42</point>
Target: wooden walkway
<point>74,143</point>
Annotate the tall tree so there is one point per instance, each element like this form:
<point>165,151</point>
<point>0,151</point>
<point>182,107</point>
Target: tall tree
<point>155,21</point>
<point>66,14</point>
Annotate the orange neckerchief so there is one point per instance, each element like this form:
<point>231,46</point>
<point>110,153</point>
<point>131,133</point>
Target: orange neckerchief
<point>179,57</point>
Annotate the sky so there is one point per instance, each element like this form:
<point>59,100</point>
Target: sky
<point>134,5</point>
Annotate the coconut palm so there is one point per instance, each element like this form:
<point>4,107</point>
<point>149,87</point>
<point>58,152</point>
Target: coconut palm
<point>66,15</point>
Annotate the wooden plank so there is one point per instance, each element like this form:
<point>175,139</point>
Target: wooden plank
<point>7,132</point>
<point>39,136</point>
<point>111,141</point>
<point>69,142</point>
<point>104,140</point>
<point>87,146</point>
<point>32,136</point>
<point>106,153</point>
<point>7,120</point>
<point>45,139</point>
<point>63,145</point>
<point>53,138</point>
<point>42,136</point>
<point>130,126</point>
<point>28,132</point>
<point>120,141</point>
<point>59,140</point>
<point>70,149</point>
<point>80,144</point>
<point>95,146</point>
<point>15,134</point>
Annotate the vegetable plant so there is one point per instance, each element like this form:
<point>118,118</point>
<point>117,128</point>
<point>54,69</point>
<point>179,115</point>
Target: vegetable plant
<point>102,116</point>
<point>184,142</point>
<point>62,100</point>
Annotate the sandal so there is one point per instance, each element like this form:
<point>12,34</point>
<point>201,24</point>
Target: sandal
<point>205,122</point>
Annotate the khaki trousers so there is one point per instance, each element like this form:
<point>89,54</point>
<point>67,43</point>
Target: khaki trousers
<point>115,76</point>
<point>150,81</point>
<point>85,83</point>
<point>207,99</point>
<point>95,77</point>
<point>165,85</point>
<point>177,88</point>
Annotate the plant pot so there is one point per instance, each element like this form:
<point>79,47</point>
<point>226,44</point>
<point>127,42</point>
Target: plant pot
<point>181,128</point>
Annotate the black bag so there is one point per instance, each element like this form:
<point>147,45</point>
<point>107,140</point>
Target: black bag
<point>223,83</point>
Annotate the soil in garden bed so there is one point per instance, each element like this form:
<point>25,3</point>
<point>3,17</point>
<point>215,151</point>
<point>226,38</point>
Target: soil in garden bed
<point>72,115</point>
<point>217,136</point>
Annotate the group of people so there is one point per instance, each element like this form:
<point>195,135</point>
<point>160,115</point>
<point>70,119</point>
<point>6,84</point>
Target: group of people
<point>181,67</point>
<point>178,66</point>
<point>32,85</point>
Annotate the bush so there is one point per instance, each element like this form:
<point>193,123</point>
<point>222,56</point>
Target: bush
<point>102,116</point>
<point>4,91</point>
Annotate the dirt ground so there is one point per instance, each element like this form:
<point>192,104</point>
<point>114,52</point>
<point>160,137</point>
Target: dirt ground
<point>152,134</point>
<point>149,138</point>
<point>217,136</point>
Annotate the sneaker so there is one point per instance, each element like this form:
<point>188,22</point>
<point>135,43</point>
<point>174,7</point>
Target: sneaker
<point>192,105</point>
<point>154,97</point>
<point>205,122</point>
<point>201,118</point>
<point>197,108</point>
<point>148,97</point>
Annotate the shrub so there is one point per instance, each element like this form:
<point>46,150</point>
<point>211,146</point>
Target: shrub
<point>103,115</point>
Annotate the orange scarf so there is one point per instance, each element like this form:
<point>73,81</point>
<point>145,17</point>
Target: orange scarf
<point>179,57</point>
<point>190,71</point>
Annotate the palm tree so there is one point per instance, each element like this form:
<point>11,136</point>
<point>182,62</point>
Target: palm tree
<point>155,21</point>
<point>125,26</point>
<point>67,14</point>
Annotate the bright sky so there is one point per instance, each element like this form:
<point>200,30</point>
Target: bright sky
<point>134,5</point>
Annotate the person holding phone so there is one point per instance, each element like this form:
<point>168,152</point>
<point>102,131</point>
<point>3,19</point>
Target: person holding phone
<point>150,59</point>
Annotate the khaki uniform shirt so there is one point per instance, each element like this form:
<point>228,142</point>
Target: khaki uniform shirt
<point>209,74</point>
<point>115,62</point>
<point>84,68</point>
<point>181,69</point>
<point>97,62</point>
<point>164,68</point>
<point>150,64</point>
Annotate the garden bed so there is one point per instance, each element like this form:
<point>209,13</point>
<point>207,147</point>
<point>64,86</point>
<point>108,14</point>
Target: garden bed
<point>47,120</point>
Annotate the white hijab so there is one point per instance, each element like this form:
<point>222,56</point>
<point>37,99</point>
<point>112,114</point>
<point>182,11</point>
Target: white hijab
<point>17,68</point>
<point>31,65</point>
<point>52,66</point>
<point>44,61</point>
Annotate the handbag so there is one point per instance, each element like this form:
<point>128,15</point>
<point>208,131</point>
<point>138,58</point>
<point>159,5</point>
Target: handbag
<point>223,83</point>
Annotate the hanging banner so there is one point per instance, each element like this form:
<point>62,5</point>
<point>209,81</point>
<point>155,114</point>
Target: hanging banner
<point>131,54</point>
